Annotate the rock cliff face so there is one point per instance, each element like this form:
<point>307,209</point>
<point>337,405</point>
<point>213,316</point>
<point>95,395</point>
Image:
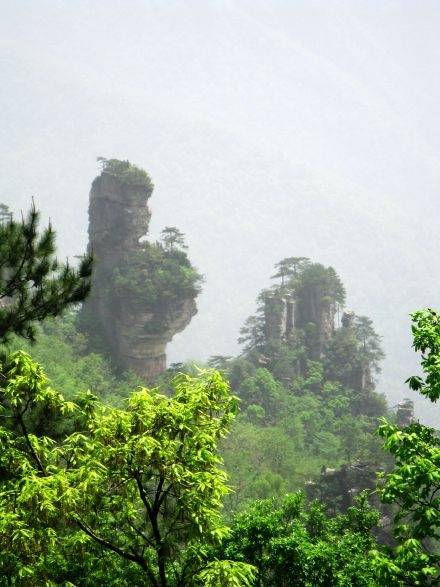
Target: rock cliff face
<point>300,315</point>
<point>338,489</point>
<point>279,317</point>
<point>320,311</point>
<point>126,316</point>
<point>405,412</point>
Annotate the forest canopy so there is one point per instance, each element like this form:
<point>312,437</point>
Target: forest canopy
<point>260,472</point>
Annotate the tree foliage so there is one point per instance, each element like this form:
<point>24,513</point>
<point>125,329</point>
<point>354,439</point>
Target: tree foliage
<point>414,482</point>
<point>318,407</point>
<point>369,342</point>
<point>252,334</point>
<point>318,283</point>
<point>290,267</point>
<point>291,544</point>
<point>132,493</point>
<point>126,172</point>
<point>155,276</point>
<point>426,339</point>
<point>353,350</point>
<point>70,366</point>
<point>33,285</point>
<point>171,238</point>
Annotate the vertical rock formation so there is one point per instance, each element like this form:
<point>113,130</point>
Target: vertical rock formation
<point>319,311</point>
<point>290,317</point>
<point>338,488</point>
<point>279,317</point>
<point>142,293</point>
<point>405,412</point>
<point>326,312</point>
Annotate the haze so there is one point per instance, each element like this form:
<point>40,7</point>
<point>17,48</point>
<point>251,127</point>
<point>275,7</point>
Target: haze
<point>270,129</point>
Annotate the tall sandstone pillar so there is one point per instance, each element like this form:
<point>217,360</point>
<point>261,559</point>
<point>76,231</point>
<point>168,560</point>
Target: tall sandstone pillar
<point>128,325</point>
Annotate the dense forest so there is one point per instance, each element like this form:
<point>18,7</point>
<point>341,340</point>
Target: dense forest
<point>282,466</point>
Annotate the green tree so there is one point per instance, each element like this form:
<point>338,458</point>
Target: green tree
<point>171,239</point>
<point>352,354</point>
<point>132,498</point>
<point>294,545</point>
<point>252,334</point>
<point>414,482</point>
<point>33,285</point>
<point>317,283</point>
<point>290,267</point>
<point>369,342</point>
<point>126,172</point>
<point>219,362</point>
<point>263,390</point>
<point>62,350</point>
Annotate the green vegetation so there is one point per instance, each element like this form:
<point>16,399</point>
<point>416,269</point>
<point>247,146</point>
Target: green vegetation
<point>157,275</point>
<point>126,172</point>
<point>414,482</point>
<point>33,285</point>
<point>172,238</point>
<point>69,364</point>
<point>129,497</point>
<point>292,544</point>
<point>297,414</point>
<point>319,282</point>
<point>301,409</point>
<point>158,278</point>
<point>103,485</point>
<point>289,267</point>
<point>93,494</point>
<point>136,282</point>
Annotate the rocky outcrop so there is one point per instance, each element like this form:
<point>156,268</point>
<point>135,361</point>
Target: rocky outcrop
<point>279,317</point>
<point>144,352</point>
<point>338,489</point>
<point>319,311</point>
<point>128,316</point>
<point>405,413</point>
<point>362,378</point>
<point>325,312</point>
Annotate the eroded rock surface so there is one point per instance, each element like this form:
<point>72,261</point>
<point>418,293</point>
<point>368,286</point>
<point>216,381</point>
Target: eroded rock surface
<point>131,314</point>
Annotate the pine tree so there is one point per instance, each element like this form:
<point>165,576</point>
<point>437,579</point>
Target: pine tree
<point>172,239</point>
<point>290,267</point>
<point>33,285</point>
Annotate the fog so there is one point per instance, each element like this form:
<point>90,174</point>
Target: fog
<point>270,129</point>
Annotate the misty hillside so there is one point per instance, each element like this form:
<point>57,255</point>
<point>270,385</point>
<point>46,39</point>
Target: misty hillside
<point>268,131</point>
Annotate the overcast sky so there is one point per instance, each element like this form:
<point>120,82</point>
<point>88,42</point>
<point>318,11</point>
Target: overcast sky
<point>270,129</point>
